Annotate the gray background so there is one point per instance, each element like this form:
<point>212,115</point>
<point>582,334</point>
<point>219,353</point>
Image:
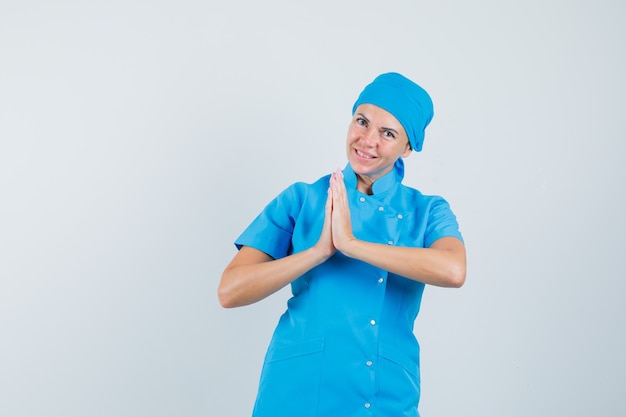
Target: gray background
<point>139,138</point>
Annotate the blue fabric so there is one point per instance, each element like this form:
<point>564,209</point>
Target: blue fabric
<point>345,345</point>
<point>405,100</point>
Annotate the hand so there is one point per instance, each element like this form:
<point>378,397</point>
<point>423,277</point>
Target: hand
<point>341,225</point>
<point>325,242</point>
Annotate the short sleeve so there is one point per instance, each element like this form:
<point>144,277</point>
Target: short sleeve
<point>441,222</point>
<point>272,229</point>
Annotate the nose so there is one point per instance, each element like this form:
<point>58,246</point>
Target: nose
<point>369,137</point>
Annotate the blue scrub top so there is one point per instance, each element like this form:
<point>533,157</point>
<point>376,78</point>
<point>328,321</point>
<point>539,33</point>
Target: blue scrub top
<point>345,346</point>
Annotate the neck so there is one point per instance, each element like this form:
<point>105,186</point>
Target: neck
<point>364,184</point>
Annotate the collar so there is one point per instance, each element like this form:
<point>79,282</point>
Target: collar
<point>382,184</point>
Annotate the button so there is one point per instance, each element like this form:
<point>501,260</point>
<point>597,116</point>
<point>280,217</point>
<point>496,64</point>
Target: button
<point>381,209</point>
<point>372,322</point>
<point>367,405</point>
<point>380,280</point>
<point>400,216</point>
<point>369,363</point>
<point>390,242</point>
<point>362,199</point>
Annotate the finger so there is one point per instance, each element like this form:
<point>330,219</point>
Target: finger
<point>336,181</point>
<point>341,188</point>
<point>329,202</point>
<point>340,195</point>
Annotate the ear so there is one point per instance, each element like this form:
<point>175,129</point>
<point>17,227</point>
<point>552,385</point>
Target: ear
<point>407,151</point>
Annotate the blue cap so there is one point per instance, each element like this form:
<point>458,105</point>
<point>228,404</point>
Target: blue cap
<point>405,100</point>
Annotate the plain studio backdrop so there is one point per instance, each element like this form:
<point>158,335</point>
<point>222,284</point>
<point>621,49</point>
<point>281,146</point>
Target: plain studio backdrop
<point>139,138</point>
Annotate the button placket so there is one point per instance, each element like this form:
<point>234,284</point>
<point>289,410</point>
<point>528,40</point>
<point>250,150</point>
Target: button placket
<point>380,214</point>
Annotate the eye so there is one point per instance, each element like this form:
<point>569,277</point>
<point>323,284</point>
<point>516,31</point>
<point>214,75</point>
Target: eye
<point>388,134</point>
<point>361,121</point>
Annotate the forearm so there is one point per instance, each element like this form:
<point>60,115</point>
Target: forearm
<point>250,278</point>
<point>443,267</point>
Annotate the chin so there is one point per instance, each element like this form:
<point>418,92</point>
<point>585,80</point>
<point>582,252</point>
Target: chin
<point>365,172</point>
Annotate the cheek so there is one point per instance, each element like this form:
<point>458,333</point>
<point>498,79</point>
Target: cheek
<point>351,136</point>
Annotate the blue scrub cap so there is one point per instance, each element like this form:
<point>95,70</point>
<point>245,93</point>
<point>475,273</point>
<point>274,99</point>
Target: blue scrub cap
<point>405,100</point>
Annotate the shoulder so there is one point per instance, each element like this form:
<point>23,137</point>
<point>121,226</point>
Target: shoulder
<point>297,193</point>
<point>302,188</point>
<point>419,200</point>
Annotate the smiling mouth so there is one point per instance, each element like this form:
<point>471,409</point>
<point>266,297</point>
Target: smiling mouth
<point>364,155</point>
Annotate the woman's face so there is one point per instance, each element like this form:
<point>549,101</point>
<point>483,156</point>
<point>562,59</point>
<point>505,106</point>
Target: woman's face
<point>376,139</point>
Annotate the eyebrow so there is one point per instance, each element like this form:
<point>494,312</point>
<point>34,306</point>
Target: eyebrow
<point>363,116</point>
<point>391,129</point>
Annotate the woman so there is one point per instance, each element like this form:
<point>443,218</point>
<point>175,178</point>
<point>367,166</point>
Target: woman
<point>357,247</point>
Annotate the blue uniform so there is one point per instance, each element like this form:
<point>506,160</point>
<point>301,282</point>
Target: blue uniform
<point>345,346</point>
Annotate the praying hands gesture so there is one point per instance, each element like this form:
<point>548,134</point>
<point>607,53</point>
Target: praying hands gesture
<point>337,229</point>
<point>253,275</point>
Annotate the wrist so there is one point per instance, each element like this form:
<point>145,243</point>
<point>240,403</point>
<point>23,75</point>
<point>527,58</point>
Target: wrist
<point>349,247</point>
<point>321,253</point>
